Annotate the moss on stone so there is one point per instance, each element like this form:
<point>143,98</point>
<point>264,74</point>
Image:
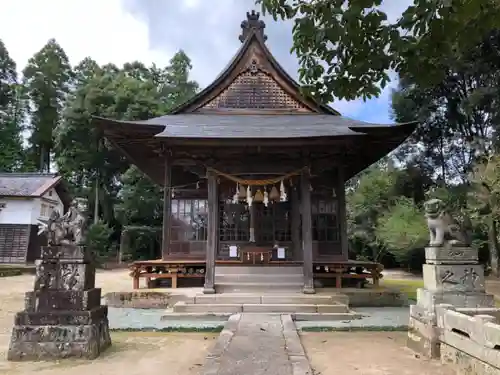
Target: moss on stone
<point>402,328</point>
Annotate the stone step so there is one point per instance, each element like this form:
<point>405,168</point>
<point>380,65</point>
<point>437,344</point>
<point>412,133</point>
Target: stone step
<point>182,307</point>
<point>196,316</point>
<point>259,278</point>
<point>257,287</point>
<point>313,317</point>
<point>236,298</point>
<point>222,317</point>
<point>275,270</point>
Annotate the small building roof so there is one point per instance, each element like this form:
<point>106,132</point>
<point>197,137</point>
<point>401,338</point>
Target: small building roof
<point>32,185</point>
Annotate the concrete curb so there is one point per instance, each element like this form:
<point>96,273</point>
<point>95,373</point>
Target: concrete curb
<point>212,362</point>
<point>294,348</point>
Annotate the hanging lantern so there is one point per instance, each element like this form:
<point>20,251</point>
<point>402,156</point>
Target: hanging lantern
<point>172,193</point>
<point>258,197</point>
<point>274,195</point>
<point>249,196</point>
<point>266,198</point>
<point>283,195</point>
<point>242,193</point>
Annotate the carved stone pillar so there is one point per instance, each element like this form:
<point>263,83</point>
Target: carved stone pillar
<point>167,208</point>
<point>305,196</point>
<point>63,316</point>
<point>212,233</point>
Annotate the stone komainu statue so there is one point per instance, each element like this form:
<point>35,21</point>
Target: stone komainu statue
<point>443,228</point>
<point>68,229</point>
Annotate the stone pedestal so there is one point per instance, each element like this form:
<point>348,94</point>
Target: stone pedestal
<point>452,276</point>
<point>63,316</point>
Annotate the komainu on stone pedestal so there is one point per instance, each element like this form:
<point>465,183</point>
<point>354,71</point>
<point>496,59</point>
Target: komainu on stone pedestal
<point>63,316</point>
<point>452,276</point>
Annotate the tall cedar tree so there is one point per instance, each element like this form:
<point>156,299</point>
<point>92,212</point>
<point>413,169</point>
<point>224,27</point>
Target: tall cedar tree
<point>47,79</point>
<point>11,150</point>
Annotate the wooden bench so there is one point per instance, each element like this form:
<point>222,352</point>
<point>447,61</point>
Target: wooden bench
<point>166,269</point>
<point>344,270</point>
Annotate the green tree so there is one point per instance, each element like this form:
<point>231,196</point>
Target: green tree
<point>372,195</point>
<point>47,77</point>
<point>402,229</point>
<point>141,204</point>
<point>141,200</point>
<point>82,154</point>
<point>11,114</point>
<point>347,48</point>
<point>484,203</point>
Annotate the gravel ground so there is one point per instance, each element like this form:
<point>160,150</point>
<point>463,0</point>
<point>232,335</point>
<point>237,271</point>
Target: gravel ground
<point>366,353</point>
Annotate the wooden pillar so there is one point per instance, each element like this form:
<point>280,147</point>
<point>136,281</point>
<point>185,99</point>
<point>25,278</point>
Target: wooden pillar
<point>167,208</point>
<point>340,192</point>
<point>212,233</point>
<point>295,224</point>
<point>305,196</point>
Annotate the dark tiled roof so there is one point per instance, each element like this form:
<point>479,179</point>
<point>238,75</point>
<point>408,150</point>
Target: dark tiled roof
<point>24,184</point>
<point>258,126</point>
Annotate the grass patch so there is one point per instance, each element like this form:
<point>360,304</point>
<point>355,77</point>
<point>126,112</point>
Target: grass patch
<point>7,270</point>
<point>10,272</point>
<point>215,329</point>
<point>406,287</point>
<point>403,328</point>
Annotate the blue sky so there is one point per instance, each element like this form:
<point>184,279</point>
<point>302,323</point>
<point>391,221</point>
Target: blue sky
<point>120,31</point>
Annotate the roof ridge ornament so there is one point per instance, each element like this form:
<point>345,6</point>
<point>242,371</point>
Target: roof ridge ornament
<point>252,25</point>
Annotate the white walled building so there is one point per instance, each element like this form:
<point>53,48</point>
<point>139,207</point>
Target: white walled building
<point>26,198</point>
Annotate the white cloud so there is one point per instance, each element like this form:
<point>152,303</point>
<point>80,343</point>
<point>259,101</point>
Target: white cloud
<point>148,31</point>
<point>100,29</point>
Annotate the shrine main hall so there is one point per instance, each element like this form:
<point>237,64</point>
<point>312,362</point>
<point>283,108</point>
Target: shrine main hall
<point>254,174</point>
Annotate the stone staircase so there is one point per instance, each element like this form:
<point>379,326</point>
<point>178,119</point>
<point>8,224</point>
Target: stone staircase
<point>258,279</point>
<point>263,290</point>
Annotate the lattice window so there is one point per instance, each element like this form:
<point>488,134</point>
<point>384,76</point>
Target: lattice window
<point>189,220</point>
<point>252,90</point>
<point>13,243</point>
<point>273,223</point>
<point>234,222</point>
<point>325,225</point>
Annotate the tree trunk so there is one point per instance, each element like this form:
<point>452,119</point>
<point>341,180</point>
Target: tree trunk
<point>96,201</point>
<point>493,247</point>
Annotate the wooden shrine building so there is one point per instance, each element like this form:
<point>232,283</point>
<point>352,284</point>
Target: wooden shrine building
<point>253,171</point>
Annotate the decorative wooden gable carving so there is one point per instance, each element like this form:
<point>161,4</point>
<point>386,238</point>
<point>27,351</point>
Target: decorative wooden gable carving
<point>255,88</point>
<point>254,81</point>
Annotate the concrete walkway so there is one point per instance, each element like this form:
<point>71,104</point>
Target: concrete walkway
<point>258,344</point>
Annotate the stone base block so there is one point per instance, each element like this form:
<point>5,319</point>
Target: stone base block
<point>454,278</point>
<point>89,317</point>
<point>423,337</point>
<point>65,300</point>
<point>428,299</point>
<point>49,342</point>
<point>451,255</point>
